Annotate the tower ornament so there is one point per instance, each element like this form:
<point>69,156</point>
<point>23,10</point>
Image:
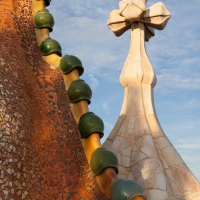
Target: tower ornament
<point>131,11</point>
<point>144,152</point>
<point>132,14</point>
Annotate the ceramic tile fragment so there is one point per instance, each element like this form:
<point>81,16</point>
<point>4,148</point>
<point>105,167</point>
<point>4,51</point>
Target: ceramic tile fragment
<point>34,111</point>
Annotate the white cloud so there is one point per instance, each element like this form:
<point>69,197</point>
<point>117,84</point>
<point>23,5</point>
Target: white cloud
<point>183,129</point>
<point>93,82</point>
<point>178,82</point>
<point>188,144</point>
<point>105,106</point>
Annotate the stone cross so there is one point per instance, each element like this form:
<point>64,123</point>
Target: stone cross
<point>132,14</point>
<point>131,11</point>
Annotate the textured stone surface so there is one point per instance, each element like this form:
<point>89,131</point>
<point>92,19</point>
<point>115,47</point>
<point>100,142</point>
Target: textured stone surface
<point>145,153</point>
<point>41,153</point>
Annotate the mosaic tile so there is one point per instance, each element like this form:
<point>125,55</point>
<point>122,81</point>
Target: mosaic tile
<point>42,155</point>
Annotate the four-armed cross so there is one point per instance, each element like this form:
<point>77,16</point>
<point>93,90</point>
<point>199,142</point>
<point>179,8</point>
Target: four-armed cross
<point>132,14</point>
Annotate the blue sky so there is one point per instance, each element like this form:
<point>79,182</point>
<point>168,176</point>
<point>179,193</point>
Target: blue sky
<point>80,28</point>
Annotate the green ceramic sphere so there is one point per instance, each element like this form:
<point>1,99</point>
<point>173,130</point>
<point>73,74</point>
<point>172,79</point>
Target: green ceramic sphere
<point>68,63</point>
<point>47,2</point>
<point>79,90</point>
<point>122,189</point>
<point>102,159</point>
<point>50,46</point>
<point>43,19</point>
<point>90,123</point>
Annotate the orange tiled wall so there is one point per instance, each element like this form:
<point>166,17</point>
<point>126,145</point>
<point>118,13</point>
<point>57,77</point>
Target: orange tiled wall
<point>41,156</point>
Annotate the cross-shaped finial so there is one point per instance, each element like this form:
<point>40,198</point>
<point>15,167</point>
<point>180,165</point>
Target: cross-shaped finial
<point>132,14</point>
<point>131,11</point>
